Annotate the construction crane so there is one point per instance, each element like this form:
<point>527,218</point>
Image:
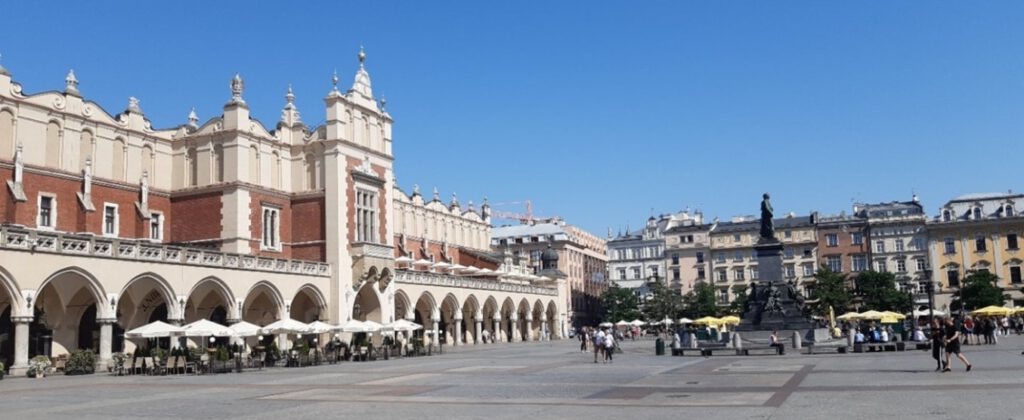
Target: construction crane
<point>524,218</point>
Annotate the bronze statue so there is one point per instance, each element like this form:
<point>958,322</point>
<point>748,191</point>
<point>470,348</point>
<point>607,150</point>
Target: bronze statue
<point>767,225</point>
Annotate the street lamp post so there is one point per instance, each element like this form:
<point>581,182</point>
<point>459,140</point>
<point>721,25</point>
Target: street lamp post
<point>930,288</point>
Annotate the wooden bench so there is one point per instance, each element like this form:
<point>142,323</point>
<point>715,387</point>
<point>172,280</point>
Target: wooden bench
<point>760,351</point>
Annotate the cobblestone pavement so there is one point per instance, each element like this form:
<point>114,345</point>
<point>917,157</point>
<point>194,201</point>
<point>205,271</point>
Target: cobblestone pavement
<point>555,380</point>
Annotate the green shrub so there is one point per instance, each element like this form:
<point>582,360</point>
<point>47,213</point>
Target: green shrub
<point>81,362</point>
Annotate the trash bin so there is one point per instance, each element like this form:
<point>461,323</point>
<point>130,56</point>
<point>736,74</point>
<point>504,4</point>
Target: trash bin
<point>659,347</point>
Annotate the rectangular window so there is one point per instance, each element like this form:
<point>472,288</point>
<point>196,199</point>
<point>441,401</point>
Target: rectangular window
<point>808,271</point>
<point>788,234</point>
<point>720,257</point>
<point>918,244</point>
<point>831,239</point>
<point>723,295</point>
<point>700,257</point>
<point>790,271</point>
<point>738,273</point>
<point>979,243</point>
<point>953,277</point>
<point>920,264</point>
<point>788,252</point>
<point>110,219</point>
<point>860,263</point>
<point>857,238</point>
<point>808,253</point>
<point>899,245</point>
<point>950,246</point>
<point>1015,274</point>
<point>156,226</point>
<point>880,246</point>
<point>622,274</point>
<point>366,216</point>
<point>675,274</point>
<point>723,276</point>
<point>901,266</point>
<point>835,263</point>
<point>271,229</point>
<point>636,272</point>
<point>1011,241</point>
<point>754,273</point>
<point>700,272</point>
<point>737,256</point>
<point>881,266</point>
<point>47,217</point>
<point>735,238</point>
<point>654,270</point>
<point>675,259</point>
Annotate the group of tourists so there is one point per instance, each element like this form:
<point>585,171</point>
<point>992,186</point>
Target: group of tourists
<point>601,340</point>
<point>985,329</point>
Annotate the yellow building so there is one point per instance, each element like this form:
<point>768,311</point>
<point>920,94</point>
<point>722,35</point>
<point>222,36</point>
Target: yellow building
<point>977,232</point>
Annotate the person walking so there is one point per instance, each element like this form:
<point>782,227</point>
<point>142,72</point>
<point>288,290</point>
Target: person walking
<point>938,342</point>
<point>584,337</point>
<point>599,338</point>
<point>952,343</point>
<point>609,348</point>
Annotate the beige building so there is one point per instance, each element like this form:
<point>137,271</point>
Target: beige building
<point>109,223</point>
<point>687,251</point>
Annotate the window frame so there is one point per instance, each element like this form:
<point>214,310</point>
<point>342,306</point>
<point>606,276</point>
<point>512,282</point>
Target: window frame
<point>158,217</point>
<point>116,222</point>
<point>273,234</point>
<point>52,226</point>
<point>831,239</point>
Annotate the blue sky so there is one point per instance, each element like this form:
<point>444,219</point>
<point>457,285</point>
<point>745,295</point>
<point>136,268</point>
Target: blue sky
<point>596,111</point>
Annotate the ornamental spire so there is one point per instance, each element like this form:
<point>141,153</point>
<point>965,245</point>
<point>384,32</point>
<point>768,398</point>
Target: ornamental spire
<point>193,119</point>
<point>237,87</point>
<point>290,114</point>
<point>71,84</point>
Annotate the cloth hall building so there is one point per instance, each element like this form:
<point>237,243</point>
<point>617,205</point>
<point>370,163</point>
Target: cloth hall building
<point>109,223</point>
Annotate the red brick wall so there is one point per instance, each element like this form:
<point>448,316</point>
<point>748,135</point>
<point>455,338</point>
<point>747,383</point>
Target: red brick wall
<point>197,217</point>
<point>459,255</point>
<point>308,226</point>
<point>71,216</point>
<point>845,248</point>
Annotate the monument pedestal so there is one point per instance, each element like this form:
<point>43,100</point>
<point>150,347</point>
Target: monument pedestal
<point>773,304</point>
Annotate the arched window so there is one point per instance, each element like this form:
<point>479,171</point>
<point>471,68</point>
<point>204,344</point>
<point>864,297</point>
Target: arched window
<point>1008,210</point>
<point>275,172</point>
<point>977,213</point>
<point>254,165</point>
<point>117,157</point>
<point>218,163</point>
<point>6,134</point>
<point>84,149</point>
<point>193,167</point>
<point>310,172</point>
<point>53,144</point>
<point>947,216</point>
<point>146,160</point>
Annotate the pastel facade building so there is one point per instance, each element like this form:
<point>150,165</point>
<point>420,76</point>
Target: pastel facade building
<point>109,223</point>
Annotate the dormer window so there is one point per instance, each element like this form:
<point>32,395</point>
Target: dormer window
<point>1008,210</point>
<point>976,213</point>
<point>947,216</point>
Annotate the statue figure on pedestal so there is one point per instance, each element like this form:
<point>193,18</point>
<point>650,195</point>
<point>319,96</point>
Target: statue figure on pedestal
<point>767,213</point>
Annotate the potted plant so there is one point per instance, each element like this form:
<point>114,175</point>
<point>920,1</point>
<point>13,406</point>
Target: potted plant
<point>38,366</point>
<point>81,362</point>
<point>119,361</point>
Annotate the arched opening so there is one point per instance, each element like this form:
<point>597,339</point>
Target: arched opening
<point>490,330</point>
<point>449,309</point>
<point>367,306</point>
<point>308,305</point>
<point>402,308</point>
<point>65,308</point>
<point>524,324</point>
<point>262,305</point>
<point>144,300</point>
<point>537,326</point>
<point>423,314</point>
<point>469,310</point>
<point>209,299</point>
<point>553,326</point>
<point>508,309</point>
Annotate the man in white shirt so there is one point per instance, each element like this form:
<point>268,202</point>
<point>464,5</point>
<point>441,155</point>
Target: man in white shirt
<point>609,347</point>
<point>599,338</point>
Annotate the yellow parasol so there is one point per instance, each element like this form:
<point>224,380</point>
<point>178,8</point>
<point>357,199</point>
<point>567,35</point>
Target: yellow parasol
<point>890,314</point>
<point>872,315</point>
<point>730,320</point>
<point>849,316</point>
<point>889,320</point>
<point>992,311</point>
<point>709,320</point>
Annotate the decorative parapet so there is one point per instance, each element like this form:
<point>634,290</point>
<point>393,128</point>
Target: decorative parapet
<point>140,250</point>
<point>447,280</point>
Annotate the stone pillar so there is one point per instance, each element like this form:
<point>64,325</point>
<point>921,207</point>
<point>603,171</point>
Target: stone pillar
<point>516,329</point>
<point>478,330</point>
<point>20,367</point>
<point>106,344</point>
<point>437,334</point>
<point>496,336</point>
<point>458,331</point>
<point>797,340</point>
<point>543,326</point>
<point>529,328</point>
<point>176,342</point>
<point>693,340</point>
<point>737,342</point>
<point>851,336</point>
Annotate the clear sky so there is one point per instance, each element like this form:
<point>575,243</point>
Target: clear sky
<point>596,111</point>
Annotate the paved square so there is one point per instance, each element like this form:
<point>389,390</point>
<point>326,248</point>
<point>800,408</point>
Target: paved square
<point>554,380</point>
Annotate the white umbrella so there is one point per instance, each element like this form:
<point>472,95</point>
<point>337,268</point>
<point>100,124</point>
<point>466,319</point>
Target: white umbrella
<point>622,323</point>
<point>606,325</point>
<point>403,260</point>
<point>667,321</point>
<point>685,321</point>
<point>637,323</point>
<point>353,326</point>
<point>924,312</point>
<point>403,325</point>
<point>372,326</point>
<point>470,270</point>
<point>320,327</point>
<point>155,329</point>
<point>245,329</point>
<point>207,328</point>
<point>286,326</point>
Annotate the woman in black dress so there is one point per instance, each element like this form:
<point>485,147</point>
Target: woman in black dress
<point>938,339</point>
<point>953,345</point>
